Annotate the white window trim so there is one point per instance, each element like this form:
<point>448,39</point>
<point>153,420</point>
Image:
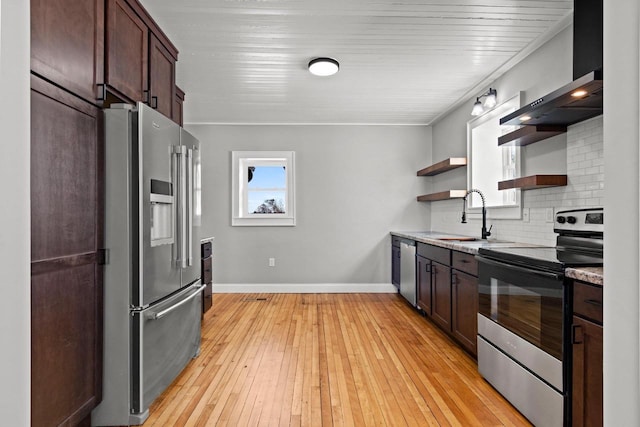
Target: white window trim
<point>240,161</point>
<point>494,212</point>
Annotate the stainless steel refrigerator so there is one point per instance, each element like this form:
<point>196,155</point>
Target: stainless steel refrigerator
<point>152,286</point>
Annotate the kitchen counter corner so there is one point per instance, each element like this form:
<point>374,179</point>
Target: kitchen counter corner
<point>593,275</point>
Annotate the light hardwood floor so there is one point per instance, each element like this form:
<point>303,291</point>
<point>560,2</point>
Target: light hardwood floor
<point>327,359</point>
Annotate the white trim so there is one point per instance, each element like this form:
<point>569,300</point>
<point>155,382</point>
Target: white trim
<point>304,288</point>
<point>239,191</point>
<point>494,211</point>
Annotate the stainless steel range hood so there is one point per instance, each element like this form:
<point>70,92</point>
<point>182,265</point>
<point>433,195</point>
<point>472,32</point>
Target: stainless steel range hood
<point>583,97</point>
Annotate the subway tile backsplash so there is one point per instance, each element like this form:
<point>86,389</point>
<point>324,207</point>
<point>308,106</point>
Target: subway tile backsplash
<point>585,188</point>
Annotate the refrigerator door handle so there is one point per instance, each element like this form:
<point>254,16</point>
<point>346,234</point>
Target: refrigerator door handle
<point>180,156</point>
<point>175,168</point>
<point>152,315</point>
<point>190,207</point>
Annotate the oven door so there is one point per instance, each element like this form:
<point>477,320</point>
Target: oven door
<point>529,303</point>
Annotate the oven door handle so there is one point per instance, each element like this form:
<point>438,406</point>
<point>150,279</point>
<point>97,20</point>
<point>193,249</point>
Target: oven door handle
<point>545,274</point>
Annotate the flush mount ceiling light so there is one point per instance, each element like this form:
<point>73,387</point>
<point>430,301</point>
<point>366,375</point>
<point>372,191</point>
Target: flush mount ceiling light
<point>491,99</point>
<point>323,66</point>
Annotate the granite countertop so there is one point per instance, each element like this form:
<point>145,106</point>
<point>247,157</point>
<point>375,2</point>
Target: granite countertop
<point>593,275</point>
<point>469,246</point>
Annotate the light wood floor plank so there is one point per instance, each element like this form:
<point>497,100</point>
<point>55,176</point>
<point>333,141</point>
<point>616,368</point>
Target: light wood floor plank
<point>327,360</point>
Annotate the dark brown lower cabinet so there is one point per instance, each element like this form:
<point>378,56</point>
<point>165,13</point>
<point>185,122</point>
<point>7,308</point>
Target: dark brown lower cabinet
<point>423,280</point>
<point>207,275</point>
<point>587,356</point>
<point>447,283</point>
<point>441,295</point>
<point>66,270</point>
<point>395,266</point>
<point>464,325</point>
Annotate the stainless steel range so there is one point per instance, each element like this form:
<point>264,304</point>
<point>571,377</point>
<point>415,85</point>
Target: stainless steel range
<point>524,316</point>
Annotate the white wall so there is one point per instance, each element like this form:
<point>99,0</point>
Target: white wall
<point>578,153</point>
<point>622,176</point>
<point>354,184</point>
<point>15,305</point>
<point>582,159</point>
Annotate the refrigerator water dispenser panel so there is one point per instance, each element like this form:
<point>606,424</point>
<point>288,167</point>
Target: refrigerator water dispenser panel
<point>162,209</point>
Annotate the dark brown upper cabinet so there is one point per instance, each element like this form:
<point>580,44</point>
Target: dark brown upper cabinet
<point>67,45</point>
<point>127,45</point>
<point>162,81</point>
<point>140,59</point>
<point>178,102</point>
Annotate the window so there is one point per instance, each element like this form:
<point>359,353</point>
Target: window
<point>263,188</point>
<point>489,163</point>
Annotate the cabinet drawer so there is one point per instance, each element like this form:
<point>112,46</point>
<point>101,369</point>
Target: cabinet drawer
<point>441,255</point>
<point>464,262</point>
<point>587,301</point>
<point>207,275</point>
<point>395,241</point>
<point>207,299</point>
<point>207,249</point>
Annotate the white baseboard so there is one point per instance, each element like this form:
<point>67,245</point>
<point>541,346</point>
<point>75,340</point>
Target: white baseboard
<point>303,288</point>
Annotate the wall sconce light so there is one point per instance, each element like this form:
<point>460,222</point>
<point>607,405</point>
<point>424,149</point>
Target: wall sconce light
<point>489,102</point>
<point>323,66</point>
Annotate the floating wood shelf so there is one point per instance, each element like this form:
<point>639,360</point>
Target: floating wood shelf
<point>443,195</point>
<point>529,134</point>
<point>534,181</point>
<point>443,166</point>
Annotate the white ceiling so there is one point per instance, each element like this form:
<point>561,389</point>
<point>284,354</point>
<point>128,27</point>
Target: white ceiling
<point>401,61</point>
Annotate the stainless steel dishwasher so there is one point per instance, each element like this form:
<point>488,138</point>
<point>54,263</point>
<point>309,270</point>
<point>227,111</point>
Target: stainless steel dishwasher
<point>408,271</point>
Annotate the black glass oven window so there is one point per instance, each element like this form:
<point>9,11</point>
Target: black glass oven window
<point>531,309</point>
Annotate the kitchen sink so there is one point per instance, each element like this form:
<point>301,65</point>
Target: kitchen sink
<point>457,239</point>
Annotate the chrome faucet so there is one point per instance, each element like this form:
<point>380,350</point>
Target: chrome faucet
<point>485,233</point>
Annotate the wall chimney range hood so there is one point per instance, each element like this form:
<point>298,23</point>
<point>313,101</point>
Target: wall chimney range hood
<point>581,99</point>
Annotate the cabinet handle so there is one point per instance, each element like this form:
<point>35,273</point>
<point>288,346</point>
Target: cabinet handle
<point>454,278</point>
<point>595,302</point>
<point>464,261</point>
<point>427,268</point>
<point>574,334</point>
<point>145,94</point>
<point>102,92</point>
<point>154,102</point>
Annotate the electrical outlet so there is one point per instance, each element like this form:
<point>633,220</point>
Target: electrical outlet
<point>525,214</point>
<point>549,214</point>
<point>272,262</point>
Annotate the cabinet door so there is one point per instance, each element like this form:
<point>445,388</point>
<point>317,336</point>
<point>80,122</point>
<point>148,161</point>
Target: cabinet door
<point>441,295</point>
<point>395,266</point>
<point>67,44</point>
<point>66,277</point>
<point>178,102</point>
<point>587,373</point>
<point>423,277</point>
<point>162,80</point>
<point>126,52</point>
<point>465,309</point>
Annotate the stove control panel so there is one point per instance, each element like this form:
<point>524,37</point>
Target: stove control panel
<point>580,220</point>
